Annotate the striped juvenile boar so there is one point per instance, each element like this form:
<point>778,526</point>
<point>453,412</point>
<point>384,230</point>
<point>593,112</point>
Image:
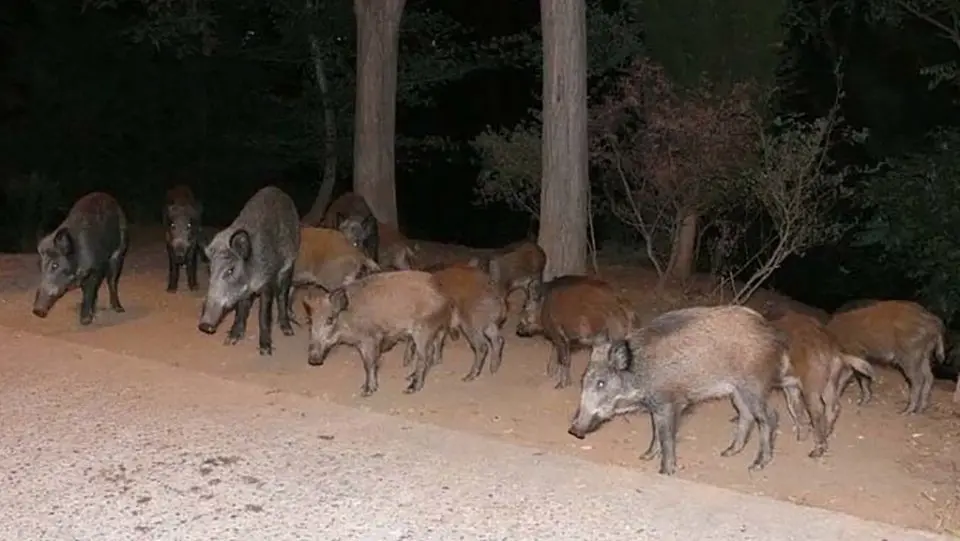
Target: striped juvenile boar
<point>182,220</point>
<point>88,246</point>
<point>253,257</point>
<point>817,361</point>
<point>901,333</point>
<point>516,266</point>
<point>373,314</point>
<point>573,312</point>
<point>680,359</point>
<point>482,310</point>
<point>351,215</point>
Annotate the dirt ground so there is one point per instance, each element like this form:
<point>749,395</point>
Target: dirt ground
<point>881,465</point>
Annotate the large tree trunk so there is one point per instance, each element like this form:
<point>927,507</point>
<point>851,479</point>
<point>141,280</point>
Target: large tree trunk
<point>378,41</point>
<point>683,258</point>
<point>564,193</point>
<point>329,180</point>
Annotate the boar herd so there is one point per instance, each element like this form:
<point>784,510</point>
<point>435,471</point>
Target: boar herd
<point>362,288</point>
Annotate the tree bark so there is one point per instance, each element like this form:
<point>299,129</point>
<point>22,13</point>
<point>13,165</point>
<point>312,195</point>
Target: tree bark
<point>684,257</point>
<point>329,179</point>
<point>564,192</point>
<point>374,168</point>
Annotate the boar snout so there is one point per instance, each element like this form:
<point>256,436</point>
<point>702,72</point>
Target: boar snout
<point>583,424</point>
<point>41,305</point>
<point>210,319</point>
<point>316,355</point>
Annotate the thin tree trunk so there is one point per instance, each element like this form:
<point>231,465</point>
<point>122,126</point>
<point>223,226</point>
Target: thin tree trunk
<point>683,259</point>
<point>564,193</point>
<point>374,168</point>
<point>329,179</point>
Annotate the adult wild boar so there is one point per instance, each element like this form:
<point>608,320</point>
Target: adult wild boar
<point>88,246</point>
<point>253,257</point>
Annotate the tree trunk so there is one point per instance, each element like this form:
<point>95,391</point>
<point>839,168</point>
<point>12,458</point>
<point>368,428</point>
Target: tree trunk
<point>378,41</point>
<point>564,192</point>
<point>684,257</point>
<point>329,179</point>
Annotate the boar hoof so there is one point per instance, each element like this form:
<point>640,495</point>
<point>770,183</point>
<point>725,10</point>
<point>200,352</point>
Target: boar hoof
<point>287,330</point>
<point>561,384</point>
<point>759,464</point>
<point>118,308</point>
<point>86,319</point>
<point>266,349</point>
<point>367,390</point>
<point>231,340</point>
<point>668,470</point>
<point>817,452</point>
<point>414,386</point>
<point>193,287</point>
<point>171,289</point>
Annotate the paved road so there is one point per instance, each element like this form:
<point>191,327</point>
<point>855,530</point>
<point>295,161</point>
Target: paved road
<point>98,446</point>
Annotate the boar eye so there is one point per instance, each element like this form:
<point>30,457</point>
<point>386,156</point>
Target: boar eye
<point>228,273</point>
<point>601,383</point>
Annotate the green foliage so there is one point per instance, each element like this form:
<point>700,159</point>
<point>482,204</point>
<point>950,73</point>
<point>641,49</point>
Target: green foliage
<point>511,166</point>
<point>915,218</point>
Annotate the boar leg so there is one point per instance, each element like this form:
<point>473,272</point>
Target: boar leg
<point>745,420</point>
<point>795,408</point>
<point>425,349</point>
<point>563,364</point>
<point>265,340</point>
<point>239,327</point>
<point>665,428</point>
<point>370,355</point>
<point>492,333</point>
<point>818,409</point>
<point>409,353</point>
<point>192,260</point>
<point>866,389</point>
<point>114,267</point>
<point>920,377</point>
<point>653,450</point>
<point>88,303</point>
<point>481,348</point>
<point>284,295</point>
<point>173,271</point>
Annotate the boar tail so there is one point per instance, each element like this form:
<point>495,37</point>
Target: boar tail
<point>858,364</point>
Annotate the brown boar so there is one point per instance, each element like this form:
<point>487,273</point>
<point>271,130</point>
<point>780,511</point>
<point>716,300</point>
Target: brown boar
<point>327,259</point>
<point>482,309</point>
<point>817,361</point>
<point>682,358</point>
<point>572,312</point>
<point>901,333</point>
<point>376,312</point>
<point>516,266</point>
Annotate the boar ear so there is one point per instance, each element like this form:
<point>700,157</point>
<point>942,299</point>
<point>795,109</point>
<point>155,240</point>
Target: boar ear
<point>338,219</point>
<point>240,243</point>
<point>371,224</point>
<point>63,241</point>
<point>338,299</point>
<point>620,355</point>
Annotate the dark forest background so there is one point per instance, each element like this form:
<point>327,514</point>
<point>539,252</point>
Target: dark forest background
<point>131,97</point>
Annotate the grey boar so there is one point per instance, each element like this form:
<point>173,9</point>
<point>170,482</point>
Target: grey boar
<point>680,359</point>
<point>573,312</point>
<point>88,246</point>
<point>818,362</point>
<point>376,312</point>
<point>516,266</point>
<point>901,333</point>
<point>182,215</point>
<point>482,311</point>
<point>351,214</point>
<point>395,252</point>
<point>253,257</point>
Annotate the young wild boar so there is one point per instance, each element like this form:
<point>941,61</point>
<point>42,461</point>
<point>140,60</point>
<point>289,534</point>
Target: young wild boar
<point>350,214</point>
<point>482,309</point>
<point>88,246</point>
<point>817,361</point>
<point>901,333</point>
<point>182,220</point>
<point>373,314</point>
<point>516,266</point>
<point>573,312</point>
<point>253,257</point>
<point>680,359</point>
